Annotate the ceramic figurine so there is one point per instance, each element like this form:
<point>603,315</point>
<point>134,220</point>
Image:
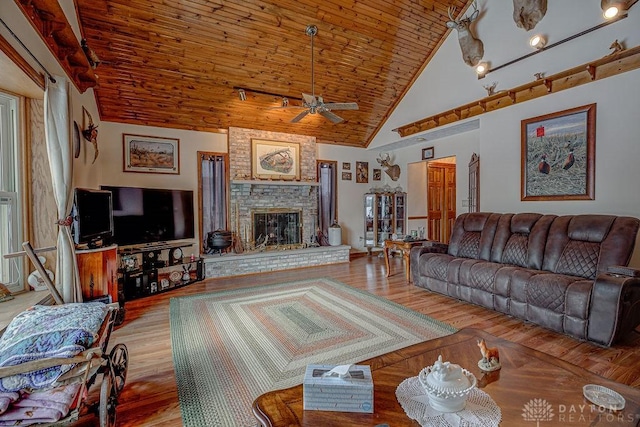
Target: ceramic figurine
<point>490,357</point>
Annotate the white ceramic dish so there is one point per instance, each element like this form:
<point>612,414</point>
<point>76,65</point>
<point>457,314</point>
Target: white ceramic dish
<point>603,396</point>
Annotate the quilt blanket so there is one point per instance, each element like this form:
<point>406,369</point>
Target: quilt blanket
<point>48,331</point>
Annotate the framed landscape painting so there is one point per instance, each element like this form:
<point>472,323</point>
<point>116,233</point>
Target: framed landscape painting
<point>558,155</point>
<point>151,154</point>
<point>275,160</point>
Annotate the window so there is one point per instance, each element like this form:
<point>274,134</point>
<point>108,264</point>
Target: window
<point>11,273</point>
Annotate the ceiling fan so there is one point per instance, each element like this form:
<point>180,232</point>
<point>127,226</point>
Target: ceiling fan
<point>315,104</point>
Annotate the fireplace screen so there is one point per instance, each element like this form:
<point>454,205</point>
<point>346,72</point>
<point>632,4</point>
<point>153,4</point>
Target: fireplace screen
<point>279,227</point>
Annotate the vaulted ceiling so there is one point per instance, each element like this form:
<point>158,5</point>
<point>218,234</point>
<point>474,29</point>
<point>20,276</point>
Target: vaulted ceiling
<point>178,63</point>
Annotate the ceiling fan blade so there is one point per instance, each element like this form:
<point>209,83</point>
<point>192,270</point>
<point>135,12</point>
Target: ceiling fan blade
<point>330,116</point>
<point>341,106</point>
<point>310,100</point>
<point>300,116</point>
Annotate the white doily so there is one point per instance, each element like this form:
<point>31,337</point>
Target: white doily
<point>480,410</point>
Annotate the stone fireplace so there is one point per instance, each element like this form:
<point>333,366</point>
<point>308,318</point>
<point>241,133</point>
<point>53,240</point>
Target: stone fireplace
<point>249,196</point>
<point>284,210</point>
<point>254,202</point>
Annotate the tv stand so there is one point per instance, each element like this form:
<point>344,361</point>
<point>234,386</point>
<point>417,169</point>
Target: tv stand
<point>157,267</point>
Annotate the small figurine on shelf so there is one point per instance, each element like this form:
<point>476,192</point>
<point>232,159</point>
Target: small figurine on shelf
<point>185,272</point>
<point>490,357</point>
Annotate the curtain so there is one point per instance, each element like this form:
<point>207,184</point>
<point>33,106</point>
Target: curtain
<point>214,194</point>
<point>57,126</point>
<point>327,200</point>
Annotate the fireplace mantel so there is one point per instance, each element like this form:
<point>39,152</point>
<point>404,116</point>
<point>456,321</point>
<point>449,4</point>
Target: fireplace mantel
<point>267,182</point>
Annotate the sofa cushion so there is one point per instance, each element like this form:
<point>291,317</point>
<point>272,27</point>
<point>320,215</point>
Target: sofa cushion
<point>472,235</point>
<point>520,239</point>
<point>584,245</point>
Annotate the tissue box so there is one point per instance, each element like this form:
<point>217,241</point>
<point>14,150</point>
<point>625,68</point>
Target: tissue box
<point>353,393</point>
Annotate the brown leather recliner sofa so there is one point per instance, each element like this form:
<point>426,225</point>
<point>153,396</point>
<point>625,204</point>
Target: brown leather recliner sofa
<point>565,273</point>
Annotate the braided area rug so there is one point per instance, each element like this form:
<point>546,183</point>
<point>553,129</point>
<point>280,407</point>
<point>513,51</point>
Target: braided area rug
<point>230,347</point>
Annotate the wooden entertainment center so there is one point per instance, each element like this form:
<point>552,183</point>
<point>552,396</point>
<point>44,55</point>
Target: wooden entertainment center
<point>149,269</point>
<point>136,271</point>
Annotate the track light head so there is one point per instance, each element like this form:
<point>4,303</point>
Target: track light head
<point>612,8</point>
<point>242,95</point>
<point>537,41</point>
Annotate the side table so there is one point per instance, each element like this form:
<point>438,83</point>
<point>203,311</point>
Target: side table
<point>405,248</point>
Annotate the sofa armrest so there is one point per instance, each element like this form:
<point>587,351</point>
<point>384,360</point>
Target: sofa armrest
<point>621,270</point>
<point>615,306</point>
<point>427,247</point>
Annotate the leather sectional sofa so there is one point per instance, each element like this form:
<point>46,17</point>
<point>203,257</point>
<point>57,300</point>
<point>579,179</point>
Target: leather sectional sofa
<point>565,273</point>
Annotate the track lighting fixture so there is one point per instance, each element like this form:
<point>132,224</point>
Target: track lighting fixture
<point>611,8</point>
<point>537,41</point>
<point>242,95</point>
<point>285,101</point>
<point>481,69</point>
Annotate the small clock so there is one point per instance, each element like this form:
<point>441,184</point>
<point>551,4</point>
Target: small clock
<point>177,254</point>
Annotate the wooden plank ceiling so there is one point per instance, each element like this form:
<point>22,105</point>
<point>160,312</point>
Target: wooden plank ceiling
<point>175,63</point>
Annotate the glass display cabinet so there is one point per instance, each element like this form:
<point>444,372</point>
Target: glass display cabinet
<point>385,217</point>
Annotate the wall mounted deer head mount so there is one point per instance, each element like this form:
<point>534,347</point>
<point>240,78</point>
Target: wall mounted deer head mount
<point>472,48</point>
<point>392,170</point>
<point>527,13</point>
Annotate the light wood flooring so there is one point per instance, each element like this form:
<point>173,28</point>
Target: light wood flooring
<point>150,397</point>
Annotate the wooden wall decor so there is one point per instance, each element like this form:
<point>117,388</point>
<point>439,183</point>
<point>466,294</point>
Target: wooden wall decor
<point>49,20</point>
<point>608,66</point>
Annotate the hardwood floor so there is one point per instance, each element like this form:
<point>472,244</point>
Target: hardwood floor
<point>150,396</point>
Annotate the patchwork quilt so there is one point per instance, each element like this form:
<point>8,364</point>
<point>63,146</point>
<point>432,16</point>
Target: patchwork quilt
<point>48,331</point>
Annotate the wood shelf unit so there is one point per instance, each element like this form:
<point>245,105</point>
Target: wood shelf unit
<point>599,69</point>
<point>49,20</point>
<point>152,275</point>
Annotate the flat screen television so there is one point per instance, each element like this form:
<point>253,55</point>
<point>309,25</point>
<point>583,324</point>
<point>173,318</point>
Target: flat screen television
<point>92,220</point>
<point>151,215</point>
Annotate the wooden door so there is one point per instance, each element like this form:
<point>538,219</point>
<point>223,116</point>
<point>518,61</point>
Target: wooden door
<point>449,213</point>
<point>435,202</point>
<point>441,200</point>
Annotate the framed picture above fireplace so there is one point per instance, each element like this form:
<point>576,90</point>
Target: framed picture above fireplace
<point>277,160</point>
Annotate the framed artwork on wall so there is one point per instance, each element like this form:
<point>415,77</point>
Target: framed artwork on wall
<point>558,155</point>
<point>346,166</point>
<point>427,153</point>
<point>377,174</point>
<point>346,176</point>
<point>362,172</point>
<point>151,154</point>
<point>275,160</point>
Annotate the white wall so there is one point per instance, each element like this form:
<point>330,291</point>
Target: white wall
<point>350,193</point>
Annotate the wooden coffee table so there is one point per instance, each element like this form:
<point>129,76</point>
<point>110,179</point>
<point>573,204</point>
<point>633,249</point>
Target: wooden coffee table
<point>526,374</point>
